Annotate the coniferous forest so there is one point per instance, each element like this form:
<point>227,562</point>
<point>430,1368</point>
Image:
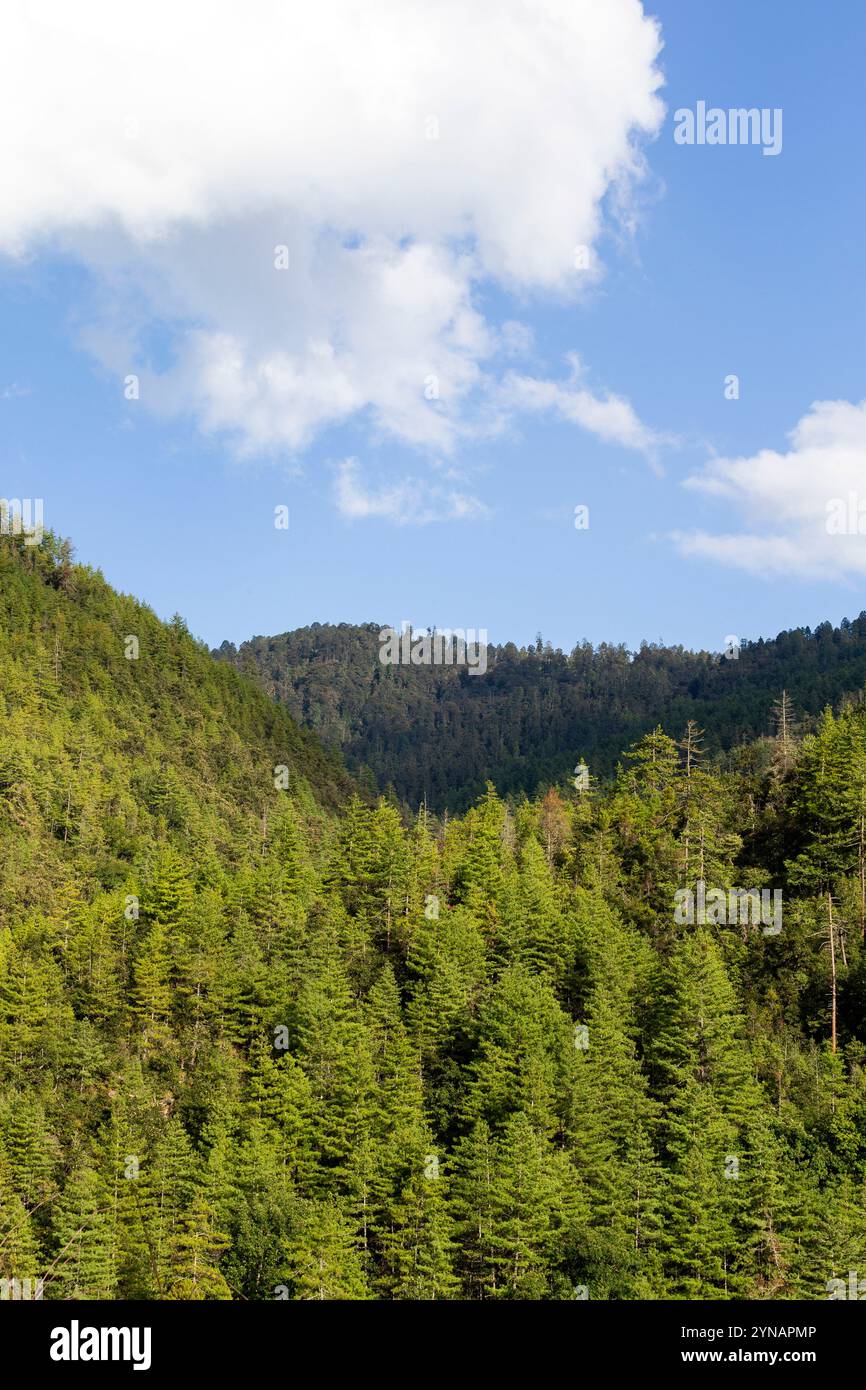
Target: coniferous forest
<point>264,1035</point>
<point>437,733</point>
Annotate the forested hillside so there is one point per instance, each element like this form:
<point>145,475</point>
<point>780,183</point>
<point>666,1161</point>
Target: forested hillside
<point>261,1038</point>
<point>439,732</point>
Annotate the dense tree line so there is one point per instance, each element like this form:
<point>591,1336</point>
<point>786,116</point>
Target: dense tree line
<point>262,1037</point>
<point>438,732</point>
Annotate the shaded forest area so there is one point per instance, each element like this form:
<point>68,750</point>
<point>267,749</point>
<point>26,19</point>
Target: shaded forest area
<point>439,733</point>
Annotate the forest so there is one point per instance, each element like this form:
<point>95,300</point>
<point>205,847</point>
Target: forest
<point>267,1034</point>
<point>437,734</point>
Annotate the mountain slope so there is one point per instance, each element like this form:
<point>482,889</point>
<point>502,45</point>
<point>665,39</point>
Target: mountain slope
<point>105,754</point>
<point>253,1047</point>
<point>438,732</point>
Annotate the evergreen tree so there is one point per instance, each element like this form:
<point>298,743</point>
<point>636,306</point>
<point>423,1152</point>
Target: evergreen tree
<point>84,1264</point>
<point>323,1257</point>
<point>195,1253</point>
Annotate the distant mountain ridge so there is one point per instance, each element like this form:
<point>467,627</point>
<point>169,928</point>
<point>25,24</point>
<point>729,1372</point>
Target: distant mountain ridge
<point>439,732</point>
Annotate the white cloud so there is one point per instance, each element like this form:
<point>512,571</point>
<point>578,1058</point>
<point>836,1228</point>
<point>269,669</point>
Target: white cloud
<point>787,499</point>
<point>406,502</point>
<point>172,148</point>
<point>610,418</point>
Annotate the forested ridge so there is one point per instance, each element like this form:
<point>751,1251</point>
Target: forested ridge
<point>438,732</point>
<point>264,1037</point>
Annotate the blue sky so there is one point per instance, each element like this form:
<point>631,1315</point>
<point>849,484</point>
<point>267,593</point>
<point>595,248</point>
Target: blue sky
<point>723,261</point>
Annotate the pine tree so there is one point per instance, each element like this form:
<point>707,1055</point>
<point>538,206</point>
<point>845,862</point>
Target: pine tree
<point>472,1204</point>
<point>647,813</point>
<point>523,1212</point>
<point>533,929</point>
<point>169,898</point>
<point>698,1034</point>
<point>20,1253</point>
<point>333,1050</point>
<point>31,1150</point>
<point>84,1265</point>
<point>159,1194</point>
<point>151,989</point>
<point>477,880</point>
<point>524,1055</point>
<point>195,1254</point>
<point>417,1244</point>
<point>698,1233</point>
<point>323,1256</point>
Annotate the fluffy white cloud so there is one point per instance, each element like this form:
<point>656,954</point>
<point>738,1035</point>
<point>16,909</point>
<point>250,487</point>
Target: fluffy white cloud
<point>403,152</point>
<point>804,511</point>
<point>407,501</point>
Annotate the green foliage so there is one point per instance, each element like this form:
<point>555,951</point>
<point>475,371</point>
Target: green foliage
<point>437,735</point>
<point>263,1037</point>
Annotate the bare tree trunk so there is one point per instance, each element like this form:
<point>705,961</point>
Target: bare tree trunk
<point>862,866</point>
<point>832,932</point>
